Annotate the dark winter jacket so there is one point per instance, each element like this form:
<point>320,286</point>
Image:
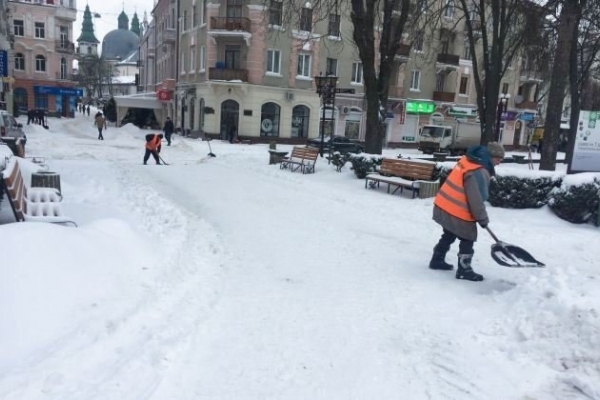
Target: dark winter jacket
<point>476,185</point>
<point>169,128</point>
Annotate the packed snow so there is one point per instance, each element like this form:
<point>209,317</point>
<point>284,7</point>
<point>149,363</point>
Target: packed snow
<point>228,278</point>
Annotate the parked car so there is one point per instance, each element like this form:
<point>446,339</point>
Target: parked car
<point>11,133</point>
<point>339,143</point>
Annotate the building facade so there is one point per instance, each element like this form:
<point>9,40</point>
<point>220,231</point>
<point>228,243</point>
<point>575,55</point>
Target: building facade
<point>43,56</point>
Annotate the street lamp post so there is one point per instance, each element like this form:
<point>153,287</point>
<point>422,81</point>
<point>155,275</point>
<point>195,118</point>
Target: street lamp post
<point>326,89</point>
<point>502,106</point>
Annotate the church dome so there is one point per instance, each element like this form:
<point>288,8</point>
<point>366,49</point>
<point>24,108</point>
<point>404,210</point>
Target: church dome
<point>119,43</point>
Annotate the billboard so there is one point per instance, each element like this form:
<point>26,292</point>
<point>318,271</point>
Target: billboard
<point>586,154</point>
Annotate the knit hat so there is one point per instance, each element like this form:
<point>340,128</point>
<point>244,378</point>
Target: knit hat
<point>496,150</point>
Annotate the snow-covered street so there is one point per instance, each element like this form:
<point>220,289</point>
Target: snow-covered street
<point>228,278</point>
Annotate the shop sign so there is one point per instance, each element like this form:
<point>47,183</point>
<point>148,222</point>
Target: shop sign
<point>164,95</point>
<point>420,107</point>
<point>462,112</point>
<point>586,154</point>
<point>3,63</point>
<point>54,90</point>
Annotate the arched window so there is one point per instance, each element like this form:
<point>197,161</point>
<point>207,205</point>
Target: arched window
<point>300,121</point>
<point>40,63</point>
<point>20,61</point>
<point>269,119</point>
<point>63,68</point>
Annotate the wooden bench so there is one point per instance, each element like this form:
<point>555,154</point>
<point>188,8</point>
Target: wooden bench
<point>32,204</point>
<point>403,174</point>
<point>303,158</point>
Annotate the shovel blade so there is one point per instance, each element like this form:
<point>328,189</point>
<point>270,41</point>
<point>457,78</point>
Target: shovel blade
<point>509,255</point>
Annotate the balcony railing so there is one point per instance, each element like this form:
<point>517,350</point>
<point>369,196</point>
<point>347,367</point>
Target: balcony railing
<point>447,97</point>
<point>448,59</point>
<point>167,35</point>
<point>228,74</point>
<point>230,24</point>
<point>403,50</point>
<point>527,105</point>
<point>64,46</point>
<point>65,77</point>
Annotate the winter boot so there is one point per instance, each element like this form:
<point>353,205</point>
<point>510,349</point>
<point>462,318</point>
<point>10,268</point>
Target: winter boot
<point>438,261</point>
<point>465,271</point>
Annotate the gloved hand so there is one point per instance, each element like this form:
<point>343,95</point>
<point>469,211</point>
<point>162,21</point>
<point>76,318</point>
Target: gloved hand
<point>484,223</point>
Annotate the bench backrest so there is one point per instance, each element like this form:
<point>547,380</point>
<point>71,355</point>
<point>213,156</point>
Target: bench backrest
<point>305,153</point>
<point>407,169</point>
<point>15,189</point>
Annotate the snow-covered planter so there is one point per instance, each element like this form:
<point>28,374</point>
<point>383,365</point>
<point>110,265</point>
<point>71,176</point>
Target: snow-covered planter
<point>517,188</point>
<point>576,200</point>
<point>363,164</point>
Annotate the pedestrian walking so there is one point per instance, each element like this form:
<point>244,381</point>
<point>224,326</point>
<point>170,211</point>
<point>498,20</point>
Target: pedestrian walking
<point>153,145</point>
<point>232,132</point>
<point>100,123</point>
<point>459,207</point>
<point>88,110</point>
<point>168,130</point>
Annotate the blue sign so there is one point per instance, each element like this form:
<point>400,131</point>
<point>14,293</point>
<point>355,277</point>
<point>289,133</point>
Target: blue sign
<point>3,63</point>
<point>55,90</point>
<point>526,117</point>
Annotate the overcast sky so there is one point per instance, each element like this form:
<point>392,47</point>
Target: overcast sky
<point>109,11</point>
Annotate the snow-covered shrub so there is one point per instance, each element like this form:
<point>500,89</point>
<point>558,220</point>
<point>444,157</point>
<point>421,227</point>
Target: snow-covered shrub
<point>339,160</point>
<point>521,192</point>
<point>364,164</point>
<point>577,199</point>
<point>442,170</point>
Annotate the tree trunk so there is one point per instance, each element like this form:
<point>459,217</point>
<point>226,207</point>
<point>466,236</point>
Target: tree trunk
<point>575,97</point>
<point>560,73</point>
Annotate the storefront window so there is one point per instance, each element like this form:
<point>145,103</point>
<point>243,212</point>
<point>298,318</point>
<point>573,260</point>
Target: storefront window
<point>300,121</point>
<point>41,101</point>
<point>269,119</point>
<point>352,128</point>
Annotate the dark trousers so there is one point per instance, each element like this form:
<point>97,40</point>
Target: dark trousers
<point>465,246</point>
<point>100,134</point>
<point>154,154</point>
<point>168,137</point>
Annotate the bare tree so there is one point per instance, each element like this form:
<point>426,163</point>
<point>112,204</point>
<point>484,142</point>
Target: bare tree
<point>94,75</point>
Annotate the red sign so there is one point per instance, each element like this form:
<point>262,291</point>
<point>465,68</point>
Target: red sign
<point>164,95</point>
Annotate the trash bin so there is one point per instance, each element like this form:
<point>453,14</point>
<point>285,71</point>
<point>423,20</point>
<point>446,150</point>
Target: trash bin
<point>46,179</point>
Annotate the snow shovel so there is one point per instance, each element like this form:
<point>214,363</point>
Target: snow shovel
<point>163,161</point>
<point>207,140</point>
<point>509,255</point>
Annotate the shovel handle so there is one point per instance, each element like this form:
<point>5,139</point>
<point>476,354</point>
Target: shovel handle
<point>487,228</point>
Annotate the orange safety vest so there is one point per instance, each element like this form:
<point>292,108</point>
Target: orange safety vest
<point>451,196</point>
<point>153,144</point>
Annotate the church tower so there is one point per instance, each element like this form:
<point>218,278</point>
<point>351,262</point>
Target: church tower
<point>88,44</point>
<point>135,24</point>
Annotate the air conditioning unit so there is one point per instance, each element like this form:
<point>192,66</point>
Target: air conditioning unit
<point>345,110</point>
<point>289,96</point>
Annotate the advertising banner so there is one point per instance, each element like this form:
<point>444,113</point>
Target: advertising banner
<point>586,154</point>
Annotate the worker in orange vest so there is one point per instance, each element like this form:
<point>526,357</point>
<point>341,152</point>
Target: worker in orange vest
<point>459,207</point>
<point>153,144</point>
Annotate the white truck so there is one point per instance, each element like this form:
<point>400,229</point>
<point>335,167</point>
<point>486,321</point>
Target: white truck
<point>454,138</point>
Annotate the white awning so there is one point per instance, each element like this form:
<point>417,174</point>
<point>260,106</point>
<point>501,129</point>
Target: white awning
<point>139,100</point>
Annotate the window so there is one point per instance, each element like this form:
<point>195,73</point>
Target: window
<point>445,36</point>
<point>269,119</point>
<point>504,88</point>
<point>419,40</point>
<point>306,19</point>
<point>63,68</point>
<point>203,12</point>
<point>304,65</point>
<point>275,12</point>
<point>40,30</point>
<point>19,62</point>
<point>184,21</point>
<point>194,16</point>
<point>467,51</point>
<point>41,101</point>
<point>19,28</point>
<point>357,73</point>
<point>202,64</point>
<point>40,64</point>
<point>449,9</point>
<point>332,67</point>
<point>234,8</point>
<point>300,121</point>
<point>334,25</point>
<point>464,85</point>
<point>274,61</point>
<point>182,62</point>
<point>415,80</point>
<point>192,60</point>
<point>440,82</point>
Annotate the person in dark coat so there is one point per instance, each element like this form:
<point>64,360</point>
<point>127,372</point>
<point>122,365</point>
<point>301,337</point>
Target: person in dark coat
<point>459,207</point>
<point>30,116</point>
<point>153,145</point>
<point>100,123</point>
<point>168,130</point>
<point>88,110</point>
<point>232,132</point>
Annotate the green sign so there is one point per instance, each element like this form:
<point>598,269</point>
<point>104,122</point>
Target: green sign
<point>420,107</point>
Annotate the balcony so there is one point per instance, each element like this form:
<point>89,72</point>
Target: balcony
<point>530,76</point>
<point>64,46</point>
<point>65,77</point>
<point>444,97</point>
<point>66,10</point>
<point>403,52</point>
<point>219,74</point>
<point>167,36</point>
<point>230,28</point>
<point>527,105</point>
<point>448,59</point>
<point>230,24</point>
